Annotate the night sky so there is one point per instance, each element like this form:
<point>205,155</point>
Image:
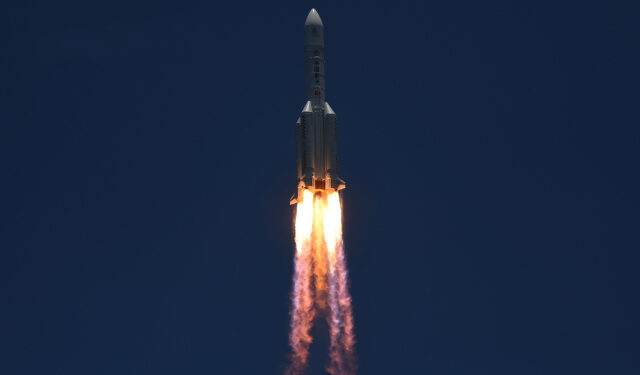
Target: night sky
<point>490,150</point>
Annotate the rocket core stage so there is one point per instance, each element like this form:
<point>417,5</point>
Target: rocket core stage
<point>316,140</point>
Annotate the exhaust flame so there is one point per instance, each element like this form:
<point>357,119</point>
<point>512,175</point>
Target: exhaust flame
<point>320,254</point>
<point>341,322</point>
<point>302,311</point>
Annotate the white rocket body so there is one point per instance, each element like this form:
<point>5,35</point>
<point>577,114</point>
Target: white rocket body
<point>317,154</point>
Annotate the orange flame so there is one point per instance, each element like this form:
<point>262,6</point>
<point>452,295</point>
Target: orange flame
<point>302,312</point>
<point>341,322</point>
<point>320,253</point>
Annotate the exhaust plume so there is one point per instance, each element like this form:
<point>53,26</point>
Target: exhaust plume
<point>320,253</point>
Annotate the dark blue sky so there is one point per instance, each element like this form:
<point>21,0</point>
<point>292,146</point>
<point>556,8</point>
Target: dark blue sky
<point>490,150</point>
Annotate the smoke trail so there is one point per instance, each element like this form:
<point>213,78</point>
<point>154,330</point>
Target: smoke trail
<point>302,312</point>
<point>341,350</point>
<point>335,355</point>
<point>344,299</point>
<point>320,267</point>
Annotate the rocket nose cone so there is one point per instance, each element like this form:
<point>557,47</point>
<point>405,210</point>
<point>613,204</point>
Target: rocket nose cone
<point>313,19</point>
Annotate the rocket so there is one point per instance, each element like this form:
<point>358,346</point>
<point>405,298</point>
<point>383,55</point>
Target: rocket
<point>317,153</point>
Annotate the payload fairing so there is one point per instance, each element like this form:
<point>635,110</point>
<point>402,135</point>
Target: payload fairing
<point>316,140</point>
